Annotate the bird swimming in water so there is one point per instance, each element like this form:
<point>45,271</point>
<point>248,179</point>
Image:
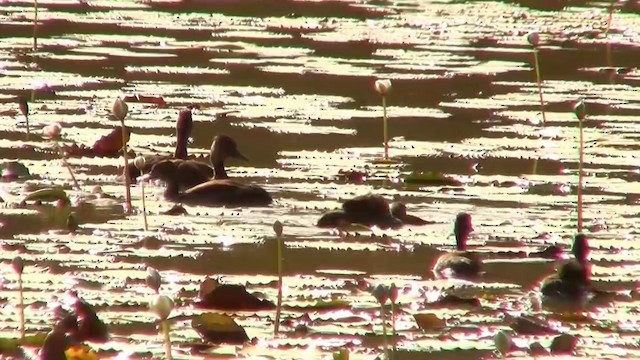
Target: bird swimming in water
<point>572,280</point>
<point>199,171</point>
<point>459,263</point>
<point>369,210</point>
<point>220,190</point>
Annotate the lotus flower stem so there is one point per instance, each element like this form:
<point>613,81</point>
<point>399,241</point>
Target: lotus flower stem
<point>144,208</point>
<point>21,300</point>
<point>385,127</point>
<point>127,181</point>
<point>63,157</point>
<point>393,328</point>
<point>385,345</point>
<point>35,25</point>
<point>612,8</point>
<point>277,226</point>
<point>580,175</point>
<point>167,338</point>
<point>24,109</point>
<point>538,79</point>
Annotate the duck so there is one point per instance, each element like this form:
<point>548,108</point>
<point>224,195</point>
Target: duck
<point>572,280</point>
<point>369,210</point>
<point>460,263</point>
<point>199,170</point>
<point>219,190</point>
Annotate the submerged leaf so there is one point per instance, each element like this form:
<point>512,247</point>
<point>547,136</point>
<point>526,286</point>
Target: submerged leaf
<point>219,328</point>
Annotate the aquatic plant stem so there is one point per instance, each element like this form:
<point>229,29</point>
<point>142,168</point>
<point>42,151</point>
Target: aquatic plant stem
<point>544,116</point>
<point>538,79</point>
<point>35,25</point>
<point>21,301</point>
<point>167,339</point>
<point>580,175</point>
<point>393,329</point>
<point>385,345</point>
<point>610,17</point>
<point>127,181</point>
<point>385,127</point>
<point>66,164</point>
<point>276,325</point>
<point>144,206</point>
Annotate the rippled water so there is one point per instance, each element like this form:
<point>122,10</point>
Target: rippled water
<point>292,82</point>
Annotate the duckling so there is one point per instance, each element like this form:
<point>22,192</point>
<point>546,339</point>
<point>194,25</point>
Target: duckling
<point>459,263</point>
<point>399,211</point>
<point>218,191</point>
<point>573,278</point>
<point>369,210</point>
<point>184,126</point>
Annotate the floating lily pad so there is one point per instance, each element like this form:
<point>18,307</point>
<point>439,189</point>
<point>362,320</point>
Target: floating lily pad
<point>432,178</point>
<point>47,195</point>
<point>232,297</point>
<point>429,322</point>
<point>219,329</point>
<point>9,345</point>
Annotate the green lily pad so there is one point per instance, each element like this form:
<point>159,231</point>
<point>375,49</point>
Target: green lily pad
<point>47,195</point>
<point>433,178</point>
<point>10,345</point>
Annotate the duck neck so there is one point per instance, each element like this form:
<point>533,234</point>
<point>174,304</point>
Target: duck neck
<point>181,147</point>
<point>172,191</point>
<point>461,240</point>
<point>218,170</point>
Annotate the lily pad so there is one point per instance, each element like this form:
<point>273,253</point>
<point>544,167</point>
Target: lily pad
<point>9,345</point>
<point>429,322</point>
<point>432,178</point>
<point>219,329</point>
<point>231,297</point>
<point>47,195</point>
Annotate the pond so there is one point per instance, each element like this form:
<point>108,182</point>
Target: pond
<point>293,83</point>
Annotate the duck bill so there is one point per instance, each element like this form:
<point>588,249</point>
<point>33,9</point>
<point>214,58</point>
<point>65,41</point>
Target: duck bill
<point>238,155</point>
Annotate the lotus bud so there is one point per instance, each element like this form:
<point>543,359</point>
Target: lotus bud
<point>393,292</point>
<point>52,131</point>
<point>18,265</point>
<point>381,293</point>
<point>120,109</point>
<point>162,307</point>
<point>534,39</point>
<point>278,228</point>
<point>580,110</point>
<point>139,162</point>
<point>502,341</point>
<point>153,280</point>
<point>383,86</point>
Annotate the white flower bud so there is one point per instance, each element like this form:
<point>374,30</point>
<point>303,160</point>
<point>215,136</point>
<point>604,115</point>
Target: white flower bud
<point>120,109</point>
<point>162,307</point>
<point>52,131</point>
<point>383,86</point>
<point>533,38</point>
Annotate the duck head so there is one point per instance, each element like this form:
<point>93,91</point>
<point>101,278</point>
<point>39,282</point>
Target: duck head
<point>165,170</point>
<point>580,248</point>
<point>399,210</point>
<point>224,147</point>
<point>334,219</point>
<point>184,126</point>
<point>462,229</point>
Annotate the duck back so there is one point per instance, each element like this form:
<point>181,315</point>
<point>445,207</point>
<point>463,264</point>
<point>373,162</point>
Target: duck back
<point>459,264</point>
<point>226,192</point>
